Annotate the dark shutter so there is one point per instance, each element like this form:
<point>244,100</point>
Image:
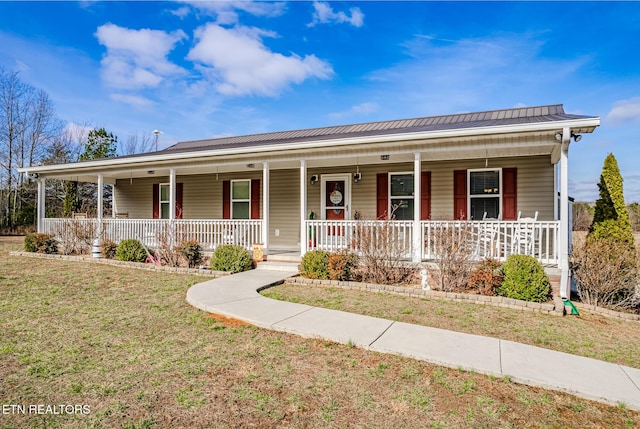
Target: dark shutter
<point>255,198</point>
<point>382,195</point>
<point>226,199</point>
<point>156,201</point>
<point>460,194</point>
<point>425,195</point>
<point>509,194</point>
<point>179,188</point>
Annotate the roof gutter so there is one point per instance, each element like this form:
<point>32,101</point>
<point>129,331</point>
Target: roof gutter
<point>589,123</point>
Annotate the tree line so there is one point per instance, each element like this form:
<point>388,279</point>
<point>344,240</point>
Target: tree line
<point>31,133</point>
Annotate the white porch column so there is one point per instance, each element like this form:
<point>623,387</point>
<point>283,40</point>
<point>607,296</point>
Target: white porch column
<point>417,233</point>
<point>564,214</point>
<point>303,207</point>
<point>172,194</point>
<point>265,207</point>
<point>41,201</point>
<point>100,196</point>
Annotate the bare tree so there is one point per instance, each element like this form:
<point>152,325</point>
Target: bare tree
<point>27,126</point>
<point>136,143</point>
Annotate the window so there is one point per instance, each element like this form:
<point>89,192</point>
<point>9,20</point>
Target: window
<point>164,201</point>
<point>401,199</point>
<point>484,194</point>
<point>240,199</point>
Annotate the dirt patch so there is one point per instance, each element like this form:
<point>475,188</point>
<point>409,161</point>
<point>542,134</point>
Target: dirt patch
<point>228,322</point>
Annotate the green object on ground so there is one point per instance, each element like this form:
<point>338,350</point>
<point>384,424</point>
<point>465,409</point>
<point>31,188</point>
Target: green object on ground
<point>574,310</point>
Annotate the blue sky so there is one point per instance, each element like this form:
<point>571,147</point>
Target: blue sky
<point>196,70</point>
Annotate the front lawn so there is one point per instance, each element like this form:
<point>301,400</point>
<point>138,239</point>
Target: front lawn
<point>125,344</point>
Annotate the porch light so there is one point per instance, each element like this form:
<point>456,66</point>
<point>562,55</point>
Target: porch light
<point>357,177</point>
<point>314,179</point>
<point>576,137</point>
<point>559,136</point>
<point>384,157</point>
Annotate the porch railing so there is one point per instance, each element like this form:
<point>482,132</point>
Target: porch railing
<point>154,232</point>
<point>357,235</point>
<point>497,239</point>
<point>494,239</point>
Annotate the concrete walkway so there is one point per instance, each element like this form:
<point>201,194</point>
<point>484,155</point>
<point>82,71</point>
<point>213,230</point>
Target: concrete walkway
<point>237,296</point>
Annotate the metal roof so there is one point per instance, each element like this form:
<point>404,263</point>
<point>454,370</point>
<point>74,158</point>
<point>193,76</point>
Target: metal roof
<point>550,113</point>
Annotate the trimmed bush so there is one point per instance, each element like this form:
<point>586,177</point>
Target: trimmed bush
<point>314,265</point>
<point>131,250</point>
<point>486,277</point>
<point>342,265</point>
<point>108,249</point>
<point>524,279</point>
<point>231,258</point>
<point>40,243</point>
<point>192,252</point>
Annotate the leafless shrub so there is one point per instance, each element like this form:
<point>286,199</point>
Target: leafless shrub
<point>383,254</point>
<point>76,235</point>
<point>606,272</point>
<point>168,251</point>
<point>454,248</point>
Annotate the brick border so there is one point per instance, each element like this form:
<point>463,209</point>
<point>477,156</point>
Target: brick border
<point>113,262</point>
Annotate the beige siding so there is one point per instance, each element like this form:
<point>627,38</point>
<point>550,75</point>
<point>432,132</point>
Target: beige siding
<point>202,194</point>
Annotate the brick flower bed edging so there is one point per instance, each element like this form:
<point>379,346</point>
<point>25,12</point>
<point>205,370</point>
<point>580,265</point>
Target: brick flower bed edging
<point>114,262</point>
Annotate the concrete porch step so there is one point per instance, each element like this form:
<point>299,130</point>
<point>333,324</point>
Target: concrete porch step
<point>278,266</point>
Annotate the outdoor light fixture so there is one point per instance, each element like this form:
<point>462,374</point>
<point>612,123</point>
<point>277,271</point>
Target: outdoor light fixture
<point>559,136</point>
<point>314,179</point>
<point>251,165</point>
<point>357,177</point>
<point>384,157</point>
<point>576,137</point>
<point>151,172</point>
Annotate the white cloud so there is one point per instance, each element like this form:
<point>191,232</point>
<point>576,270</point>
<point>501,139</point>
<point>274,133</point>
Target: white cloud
<point>134,100</point>
<point>625,111</point>
<point>357,110</point>
<point>181,12</point>
<point>226,11</point>
<point>137,58</point>
<point>324,14</point>
<point>239,63</point>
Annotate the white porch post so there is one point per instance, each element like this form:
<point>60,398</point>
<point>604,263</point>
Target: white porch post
<point>303,207</point>
<point>100,196</point>
<point>564,214</point>
<point>41,201</point>
<point>417,233</point>
<point>172,194</point>
<point>265,207</point>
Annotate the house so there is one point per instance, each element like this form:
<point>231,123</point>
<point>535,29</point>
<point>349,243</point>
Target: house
<point>502,174</point>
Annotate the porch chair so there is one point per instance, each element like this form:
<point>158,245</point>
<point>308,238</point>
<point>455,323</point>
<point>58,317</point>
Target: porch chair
<point>525,235</point>
<point>489,237</point>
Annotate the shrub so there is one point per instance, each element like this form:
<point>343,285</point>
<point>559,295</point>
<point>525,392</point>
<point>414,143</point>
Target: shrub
<point>606,272</point>
<point>40,243</point>
<point>453,250</point>
<point>131,250</point>
<point>108,249</point>
<point>314,265</point>
<point>231,258</point>
<point>525,279</point>
<point>486,276</point>
<point>192,252</point>
<point>611,217</point>
<point>342,265</point>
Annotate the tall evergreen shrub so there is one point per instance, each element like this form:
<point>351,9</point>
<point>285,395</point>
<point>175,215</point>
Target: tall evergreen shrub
<point>611,217</point>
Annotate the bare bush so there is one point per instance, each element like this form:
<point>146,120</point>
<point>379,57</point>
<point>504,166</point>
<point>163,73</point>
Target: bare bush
<point>383,254</point>
<point>168,252</point>
<point>453,246</point>
<point>606,272</point>
<point>76,235</point>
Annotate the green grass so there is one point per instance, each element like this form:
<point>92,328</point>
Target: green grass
<point>125,343</point>
<point>589,334</point>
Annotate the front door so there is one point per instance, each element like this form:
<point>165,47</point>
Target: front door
<point>336,198</point>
